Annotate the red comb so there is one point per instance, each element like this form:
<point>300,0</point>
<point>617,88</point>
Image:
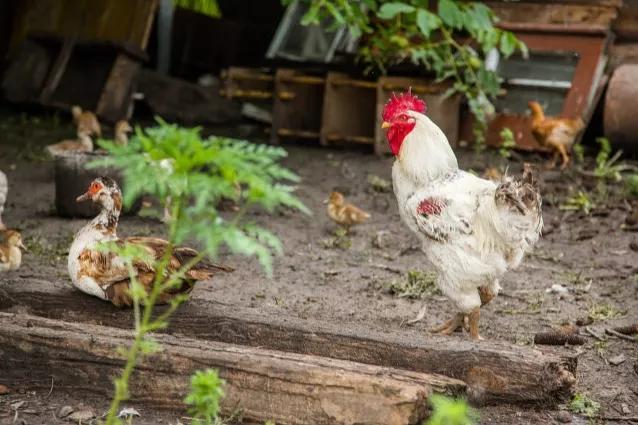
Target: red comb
<point>402,103</point>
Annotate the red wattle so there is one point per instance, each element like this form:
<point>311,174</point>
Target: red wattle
<point>397,134</point>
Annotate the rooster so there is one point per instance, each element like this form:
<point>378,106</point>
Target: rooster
<point>557,134</point>
<point>472,230</point>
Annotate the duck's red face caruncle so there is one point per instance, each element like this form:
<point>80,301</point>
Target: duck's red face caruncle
<point>397,120</point>
<point>92,192</point>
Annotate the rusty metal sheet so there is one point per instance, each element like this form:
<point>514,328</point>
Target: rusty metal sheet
<point>578,100</point>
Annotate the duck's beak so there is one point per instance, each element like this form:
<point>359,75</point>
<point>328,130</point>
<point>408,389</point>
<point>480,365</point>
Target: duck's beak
<point>386,124</point>
<point>83,197</point>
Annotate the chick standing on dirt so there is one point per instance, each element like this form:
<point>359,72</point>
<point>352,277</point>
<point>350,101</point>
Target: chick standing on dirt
<point>10,246</point>
<point>345,215</point>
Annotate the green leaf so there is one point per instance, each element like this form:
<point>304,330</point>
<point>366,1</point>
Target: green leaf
<point>390,10</point>
<point>427,22</point>
<point>450,13</point>
<point>149,346</point>
<point>508,43</point>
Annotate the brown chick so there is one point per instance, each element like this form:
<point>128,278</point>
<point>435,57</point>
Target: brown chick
<point>10,254</point>
<point>86,122</point>
<point>344,214</point>
<point>557,134</point>
<point>122,128</point>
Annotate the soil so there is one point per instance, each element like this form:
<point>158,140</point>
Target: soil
<point>316,279</point>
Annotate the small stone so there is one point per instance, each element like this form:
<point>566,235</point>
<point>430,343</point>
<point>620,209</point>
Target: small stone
<point>633,245</point>
<point>17,404</point>
<point>616,360</point>
<point>557,289</point>
<point>128,411</point>
<point>81,415</point>
<point>64,411</point>
<point>624,408</point>
<point>564,417</point>
<point>4,389</point>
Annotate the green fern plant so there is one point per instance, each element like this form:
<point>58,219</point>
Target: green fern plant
<point>206,392</point>
<point>448,411</point>
<point>195,173</point>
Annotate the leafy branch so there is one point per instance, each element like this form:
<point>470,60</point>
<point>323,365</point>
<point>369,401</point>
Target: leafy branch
<point>195,174</point>
<point>452,43</point>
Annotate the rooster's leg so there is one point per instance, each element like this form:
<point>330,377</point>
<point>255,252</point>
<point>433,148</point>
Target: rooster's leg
<point>564,156</point>
<point>474,317</point>
<point>448,327</point>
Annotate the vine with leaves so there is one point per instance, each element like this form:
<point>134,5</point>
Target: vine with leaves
<point>452,42</point>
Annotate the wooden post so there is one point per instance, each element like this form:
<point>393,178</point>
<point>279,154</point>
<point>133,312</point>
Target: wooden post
<point>264,384</point>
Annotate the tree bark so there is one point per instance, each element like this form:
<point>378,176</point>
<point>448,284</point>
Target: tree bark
<point>494,371</point>
<point>266,385</point>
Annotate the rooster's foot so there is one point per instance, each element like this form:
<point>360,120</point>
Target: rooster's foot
<point>451,325</point>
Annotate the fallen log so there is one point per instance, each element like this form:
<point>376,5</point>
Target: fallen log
<point>266,385</point>
<point>494,371</point>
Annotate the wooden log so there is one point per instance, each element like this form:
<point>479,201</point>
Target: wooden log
<point>495,371</point>
<point>264,384</point>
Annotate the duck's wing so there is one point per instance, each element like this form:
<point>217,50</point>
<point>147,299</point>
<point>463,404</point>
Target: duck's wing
<point>180,256</point>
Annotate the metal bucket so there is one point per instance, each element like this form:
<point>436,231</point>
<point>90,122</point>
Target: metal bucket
<point>72,178</point>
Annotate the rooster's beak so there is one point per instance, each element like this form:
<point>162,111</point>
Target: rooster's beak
<point>386,124</point>
<point>83,197</point>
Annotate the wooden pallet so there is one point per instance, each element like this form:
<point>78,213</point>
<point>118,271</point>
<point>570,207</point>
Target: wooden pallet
<point>349,110</point>
<point>297,106</point>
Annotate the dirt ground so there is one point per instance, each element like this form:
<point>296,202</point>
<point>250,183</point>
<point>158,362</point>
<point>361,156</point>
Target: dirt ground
<point>326,278</point>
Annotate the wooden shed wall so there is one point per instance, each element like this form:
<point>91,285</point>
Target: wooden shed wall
<point>125,21</point>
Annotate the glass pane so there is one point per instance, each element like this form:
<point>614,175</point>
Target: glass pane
<point>305,42</point>
<point>544,77</point>
<point>515,101</point>
<point>551,66</point>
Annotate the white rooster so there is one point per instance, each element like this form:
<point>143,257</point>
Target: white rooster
<point>472,230</point>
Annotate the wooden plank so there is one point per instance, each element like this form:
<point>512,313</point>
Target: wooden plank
<point>117,96</point>
<point>264,384</point>
<point>57,70</point>
<point>557,15</point>
<point>494,371</point>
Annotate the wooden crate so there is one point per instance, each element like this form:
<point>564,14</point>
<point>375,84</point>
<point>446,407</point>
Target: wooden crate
<point>247,83</point>
<point>297,106</point>
<point>349,110</point>
<point>444,112</point>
